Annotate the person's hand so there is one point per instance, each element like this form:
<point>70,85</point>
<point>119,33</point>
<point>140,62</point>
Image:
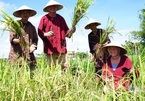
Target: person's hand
<point>98,63</point>
<point>73,30</point>
<point>70,32</point>
<point>97,46</point>
<point>16,41</point>
<point>32,48</point>
<point>49,34</point>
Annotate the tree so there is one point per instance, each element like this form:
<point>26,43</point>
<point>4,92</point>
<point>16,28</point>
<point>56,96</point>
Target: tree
<point>132,48</point>
<point>140,35</point>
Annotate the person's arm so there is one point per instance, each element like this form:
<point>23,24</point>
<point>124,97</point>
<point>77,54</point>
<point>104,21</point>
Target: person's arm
<point>41,28</point>
<point>128,76</point>
<point>71,30</point>
<point>89,42</point>
<point>35,37</point>
<point>129,71</point>
<point>33,47</point>
<point>127,64</point>
<point>14,39</point>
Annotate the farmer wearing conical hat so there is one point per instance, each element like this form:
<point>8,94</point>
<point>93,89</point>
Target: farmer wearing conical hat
<point>94,45</point>
<point>117,65</point>
<point>53,31</point>
<point>18,52</point>
<point>94,35</point>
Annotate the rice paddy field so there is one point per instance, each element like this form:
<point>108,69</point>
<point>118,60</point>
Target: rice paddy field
<point>53,84</point>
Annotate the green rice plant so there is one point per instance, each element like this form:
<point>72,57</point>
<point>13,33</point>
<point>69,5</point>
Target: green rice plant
<point>138,64</point>
<point>53,84</point>
<point>80,10</point>
<point>110,28</point>
<point>13,26</point>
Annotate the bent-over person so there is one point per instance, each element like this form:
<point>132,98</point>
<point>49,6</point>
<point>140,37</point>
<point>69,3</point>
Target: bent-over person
<point>95,46</point>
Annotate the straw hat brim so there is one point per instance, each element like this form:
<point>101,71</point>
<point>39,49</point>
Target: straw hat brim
<point>88,26</point>
<point>122,49</point>
<point>17,13</point>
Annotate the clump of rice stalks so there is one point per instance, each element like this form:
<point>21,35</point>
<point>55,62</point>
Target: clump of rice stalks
<point>110,28</point>
<point>80,10</point>
<point>12,25</point>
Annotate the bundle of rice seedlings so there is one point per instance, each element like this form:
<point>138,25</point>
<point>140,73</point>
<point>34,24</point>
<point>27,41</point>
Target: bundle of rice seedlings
<point>12,25</point>
<point>110,29</point>
<point>80,11</point>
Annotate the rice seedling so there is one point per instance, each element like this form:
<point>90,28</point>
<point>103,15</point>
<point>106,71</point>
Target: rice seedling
<point>80,10</point>
<point>52,84</point>
<point>13,26</point>
<point>110,29</point>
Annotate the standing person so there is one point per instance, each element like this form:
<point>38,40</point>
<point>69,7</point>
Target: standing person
<point>94,45</point>
<point>18,52</point>
<point>116,66</point>
<point>53,30</point>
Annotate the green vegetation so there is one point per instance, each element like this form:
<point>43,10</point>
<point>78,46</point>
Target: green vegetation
<point>77,84</point>
<point>12,25</point>
<point>140,34</point>
<point>80,10</point>
<point>52,84</point>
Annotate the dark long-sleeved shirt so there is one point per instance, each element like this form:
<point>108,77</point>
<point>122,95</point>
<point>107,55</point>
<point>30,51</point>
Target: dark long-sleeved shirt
<point>93,39</point>
<point>18,51</point>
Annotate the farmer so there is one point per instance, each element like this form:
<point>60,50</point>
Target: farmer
<point>117,66</point>
<point>19,52</point>
<point>53,31</point>
<point>95,45</point>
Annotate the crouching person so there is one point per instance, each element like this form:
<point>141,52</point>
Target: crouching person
<point>116,66</point>
<point>95,47</point>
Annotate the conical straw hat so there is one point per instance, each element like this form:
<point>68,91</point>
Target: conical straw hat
<point>17,13</point>
<point>115,44</point>
<point>90,22</point>
<point>52,3</point>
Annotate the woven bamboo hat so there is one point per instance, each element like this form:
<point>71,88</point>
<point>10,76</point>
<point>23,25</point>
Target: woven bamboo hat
<point>17,13</point>
<point>52,3</point>
<point>92,22</point>
<point>115,44</point>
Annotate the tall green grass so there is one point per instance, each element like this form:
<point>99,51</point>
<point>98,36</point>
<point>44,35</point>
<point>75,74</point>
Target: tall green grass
<point>52,84</point>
